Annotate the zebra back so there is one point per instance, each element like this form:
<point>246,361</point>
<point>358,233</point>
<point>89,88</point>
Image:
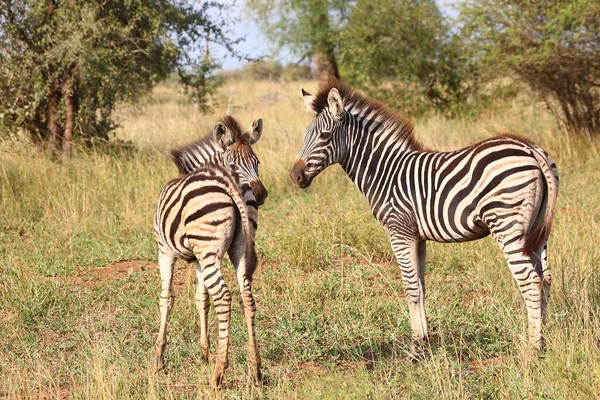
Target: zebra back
<point>178,208</point>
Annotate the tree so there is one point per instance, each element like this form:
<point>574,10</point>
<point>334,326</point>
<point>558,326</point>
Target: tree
<point>404,53</point>
<point>552,45</point>
<point>308,28</point>
<point>65,65</point>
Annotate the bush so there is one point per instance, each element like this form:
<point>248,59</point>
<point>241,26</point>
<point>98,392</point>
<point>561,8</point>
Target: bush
<point>65,65</point>
<point>294,72</point>
<point>262,70</point>
<point>552,45</point>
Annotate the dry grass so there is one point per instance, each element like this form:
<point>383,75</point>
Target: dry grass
<point>332,320</point>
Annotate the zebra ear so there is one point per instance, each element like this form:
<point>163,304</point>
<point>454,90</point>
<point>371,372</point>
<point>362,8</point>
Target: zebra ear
<point>223,135</point>
<point>308,101</point>
<point>336,106</point>
<point>257,127</point>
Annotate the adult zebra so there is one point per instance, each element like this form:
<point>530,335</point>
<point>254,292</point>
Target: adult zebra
<point>202,215</point>
<point>505,186</point>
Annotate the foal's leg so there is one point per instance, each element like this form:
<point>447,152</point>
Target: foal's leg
<point>210,262</point>
<point>202,305</point>
<point>411,259</point>
<point>243,264</point>
<point>165,263</point>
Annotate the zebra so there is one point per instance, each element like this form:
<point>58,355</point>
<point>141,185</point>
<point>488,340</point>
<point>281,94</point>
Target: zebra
<point>199,217</point>
<point>506,186</point>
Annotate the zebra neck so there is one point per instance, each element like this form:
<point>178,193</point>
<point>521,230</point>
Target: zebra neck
<point>208,157</point>
<point>189,157</point>
<point>374,151</point>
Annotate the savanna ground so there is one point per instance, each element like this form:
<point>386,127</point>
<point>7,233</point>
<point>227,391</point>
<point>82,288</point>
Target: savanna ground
<point>79,283</point>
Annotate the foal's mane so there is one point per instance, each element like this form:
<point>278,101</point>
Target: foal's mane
<point>240,138</point>
<point>400,125</point>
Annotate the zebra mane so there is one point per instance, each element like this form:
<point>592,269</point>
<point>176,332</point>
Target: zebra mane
<point>400,125</point>
<point>198,151</point>
<point>190,156</point>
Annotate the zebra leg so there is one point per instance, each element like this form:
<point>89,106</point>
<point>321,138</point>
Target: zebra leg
<point>541,259</point>
<point>411,258</point>
<point>165,263</point>
<point>239,260</point>
<point>202,305</point>
<point>528,279</point>
<point>221,296</point>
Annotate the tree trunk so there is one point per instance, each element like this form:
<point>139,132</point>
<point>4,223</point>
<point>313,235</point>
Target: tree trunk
<point>69,90</point>
<point>323,48</point>
<point>68,136</point>
<point>325,64</point>
<point>54,127</point>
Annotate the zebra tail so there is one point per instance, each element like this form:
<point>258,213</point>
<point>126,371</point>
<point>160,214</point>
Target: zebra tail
<point>540,233</point>
<point>236,195</point>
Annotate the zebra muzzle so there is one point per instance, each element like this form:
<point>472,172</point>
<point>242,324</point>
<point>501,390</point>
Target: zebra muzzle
<point>259,191</point>
<point>298,176</point>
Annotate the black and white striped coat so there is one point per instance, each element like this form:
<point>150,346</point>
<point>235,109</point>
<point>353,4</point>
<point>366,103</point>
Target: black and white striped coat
<point>505,186</point>
<point>201,216</point>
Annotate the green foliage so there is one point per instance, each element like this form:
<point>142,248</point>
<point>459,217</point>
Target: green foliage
<point>294,24</point>
<point>294,72</point>
<point>96,55</point>
<point>307,28</point>
<point>553,45</point>
<point>406,54</point>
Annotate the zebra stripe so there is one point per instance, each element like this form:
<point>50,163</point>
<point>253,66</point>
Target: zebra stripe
<point>506,186</point>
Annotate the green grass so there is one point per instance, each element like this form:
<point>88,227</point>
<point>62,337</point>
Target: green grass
<point>332,321</point>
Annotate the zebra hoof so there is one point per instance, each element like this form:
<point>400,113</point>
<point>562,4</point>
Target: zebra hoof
<point>216,381</point>
<point>204,356</point>
<point>419,350</point>
<point>257,378</point>
<point>159,364</point>
<point>539,345</point>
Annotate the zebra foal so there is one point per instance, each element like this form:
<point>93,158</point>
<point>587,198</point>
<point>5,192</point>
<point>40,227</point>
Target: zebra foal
<point>505,186</point>
<point>201,216</point>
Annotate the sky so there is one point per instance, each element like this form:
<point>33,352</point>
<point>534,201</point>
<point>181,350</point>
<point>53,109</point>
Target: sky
<point>255,44</point>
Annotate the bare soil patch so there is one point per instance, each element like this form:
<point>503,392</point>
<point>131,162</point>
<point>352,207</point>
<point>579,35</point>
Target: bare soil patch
<point>477,365</point>
<point>98,276</point>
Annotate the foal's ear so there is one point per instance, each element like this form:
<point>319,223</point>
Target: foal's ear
<point>222,135</point>
<point>336,106</point>
<point>257,127</point>
<point>308,101</point>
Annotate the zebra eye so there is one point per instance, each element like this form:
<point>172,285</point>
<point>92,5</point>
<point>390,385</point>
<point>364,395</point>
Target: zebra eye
<point>325,134</point>
<point>233,166</point>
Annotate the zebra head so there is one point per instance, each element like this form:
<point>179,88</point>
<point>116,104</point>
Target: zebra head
<point>237,154</point>
<point>324,141</point>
